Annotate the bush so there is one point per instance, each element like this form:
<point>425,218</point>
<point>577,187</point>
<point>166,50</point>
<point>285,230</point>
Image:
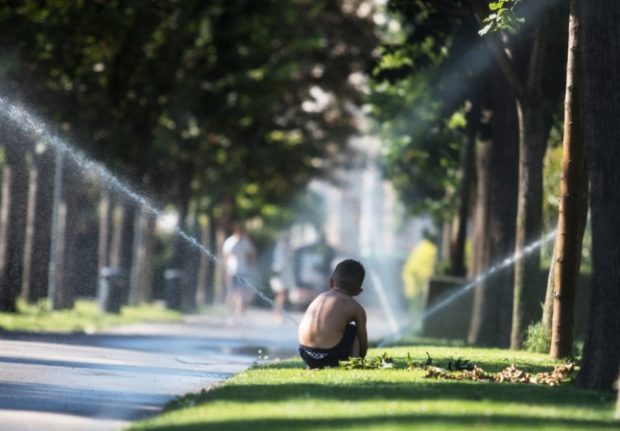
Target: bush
<point>538,339</point>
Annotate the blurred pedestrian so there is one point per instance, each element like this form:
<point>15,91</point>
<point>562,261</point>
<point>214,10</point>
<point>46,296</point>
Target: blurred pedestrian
<point>283,274</point>
<point>239,259</point>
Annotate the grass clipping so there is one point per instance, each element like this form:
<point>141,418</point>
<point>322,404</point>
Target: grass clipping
<point>463,369</point>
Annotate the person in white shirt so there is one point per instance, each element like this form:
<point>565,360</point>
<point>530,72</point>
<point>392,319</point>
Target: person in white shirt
<point>239,259</point>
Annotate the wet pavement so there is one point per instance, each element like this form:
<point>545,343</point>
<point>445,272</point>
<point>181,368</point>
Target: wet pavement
<point>103,381</point>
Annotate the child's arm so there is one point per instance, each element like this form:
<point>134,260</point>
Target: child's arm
<point>360,325</point>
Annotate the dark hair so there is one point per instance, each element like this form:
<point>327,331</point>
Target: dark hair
<point>349,275</point>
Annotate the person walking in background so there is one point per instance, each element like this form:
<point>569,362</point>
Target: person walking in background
<point>239,259</point>
<point>283,278</point>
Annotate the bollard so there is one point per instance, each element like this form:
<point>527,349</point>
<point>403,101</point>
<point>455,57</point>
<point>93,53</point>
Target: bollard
<point>172,290</point>
<point>112,290</point>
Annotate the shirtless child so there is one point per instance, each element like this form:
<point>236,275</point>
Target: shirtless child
<point>334,326</point>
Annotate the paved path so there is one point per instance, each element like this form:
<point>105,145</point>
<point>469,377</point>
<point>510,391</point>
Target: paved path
<point>103,381</point>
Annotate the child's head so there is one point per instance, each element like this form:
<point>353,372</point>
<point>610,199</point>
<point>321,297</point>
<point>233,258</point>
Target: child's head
<point>349,276</point>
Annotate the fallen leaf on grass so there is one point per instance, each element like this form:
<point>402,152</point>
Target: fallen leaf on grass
<point>511,374</point>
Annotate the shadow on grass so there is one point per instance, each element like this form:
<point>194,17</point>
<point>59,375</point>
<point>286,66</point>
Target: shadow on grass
<point>408,391</point>
<point>491,366</point>
<point>421,341</point>
<point>405,421</point>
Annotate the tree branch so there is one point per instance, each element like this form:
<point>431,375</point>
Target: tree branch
<point>501,52</point>
<point>536,63</point>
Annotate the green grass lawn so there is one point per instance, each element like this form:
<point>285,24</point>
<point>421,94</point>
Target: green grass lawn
<point>284,396</point>
<point>84,317</point>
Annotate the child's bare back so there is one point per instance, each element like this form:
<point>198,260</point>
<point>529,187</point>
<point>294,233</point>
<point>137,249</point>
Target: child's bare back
<point>326,318</point>
<point>334,325</point>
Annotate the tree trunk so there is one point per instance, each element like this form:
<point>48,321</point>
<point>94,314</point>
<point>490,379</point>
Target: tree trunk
<point>532,147</point>
<point>42,234</point>
<point>481,213</point>
<point>118,220</point>
<point>457,253</point>
<point>202,294</point>
<point>121,246</point>
<point>146,267</point>
<point>16,225</point>
<point>600,42</point>
<point>67,285</point>
<point>547,315</point>
<point>211,290</point>
<point>56,264</point>
<point>496,208</point>
<point>527,89</point>
<point>4,214</point>
<point>444,242</point>
<point>138,254</point>
<point>127,238</point>
<point>104,230</point>
<point>61,297</point>
<point>180,254</point>
<point>573,204</point>
<point>618,401</point>
<point>141,278</point>
<point>192,262</point>
<point>32,193</point>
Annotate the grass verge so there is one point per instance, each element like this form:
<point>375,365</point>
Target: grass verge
<point>85,316</point>
<point>285,396</point>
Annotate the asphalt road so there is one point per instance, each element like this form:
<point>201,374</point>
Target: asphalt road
<point>103,381</point>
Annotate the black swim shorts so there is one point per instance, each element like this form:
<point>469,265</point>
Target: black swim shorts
<point>321,358</point>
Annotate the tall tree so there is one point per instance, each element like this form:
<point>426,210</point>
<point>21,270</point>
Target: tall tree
<point>618,406</point>
<point>41,241</point>
<point>126,262</point>
<point>467,74</point>
<point>421,104</point>
<point>135,84</point>
<point>146,267</point>
<point>4,214</point>
<point>28,251</point>
<point>181,253</point>
<point>68,266</point>
<point>16,147</point>
<point>468,163</point>
<point>105,212</point>
<point>496,208</point>
<point>600,42</point>
<point>573,202</point>
<point>512,54</point>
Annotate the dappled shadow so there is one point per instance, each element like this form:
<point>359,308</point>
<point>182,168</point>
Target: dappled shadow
<point>440,361</point>
<point>517,422</point>
<point>408,391</point>
<point>422,341</point>
<point>110,404</point>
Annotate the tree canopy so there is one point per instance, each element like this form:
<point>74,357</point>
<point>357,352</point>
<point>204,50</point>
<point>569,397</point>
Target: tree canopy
<point>218,88</point>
